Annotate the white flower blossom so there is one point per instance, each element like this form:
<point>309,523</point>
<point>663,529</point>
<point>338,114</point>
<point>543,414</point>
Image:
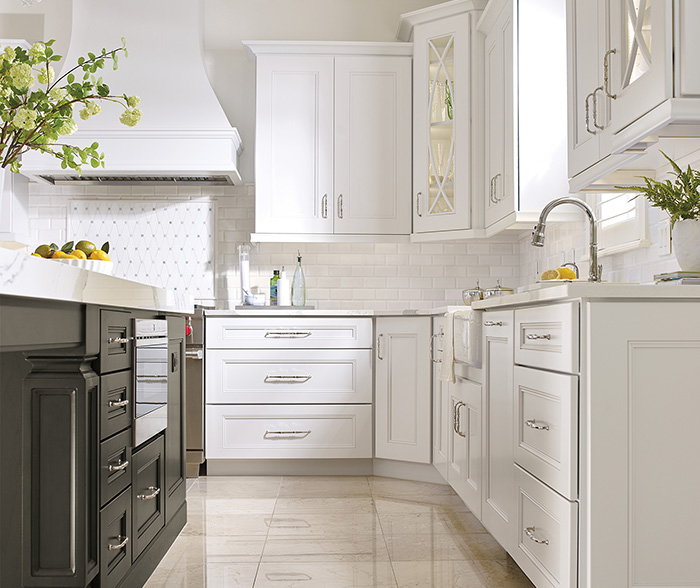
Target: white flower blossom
<point>130,118</point>
<point>66,126</point>
<point>57,94</point>
<point>133,101</point>
<point>91,109</point>
<point>37,52</point>
<point>42,76</point>
<point>8,53</point>
<point>21,75</point>
<point>25,118</point>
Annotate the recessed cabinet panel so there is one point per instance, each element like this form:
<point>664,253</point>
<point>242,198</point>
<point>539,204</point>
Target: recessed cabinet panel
<point>293,376</point>
<point>116,540</point>
<point>294,143</point>
<point>115,465</point>
<point>116,341</point>
<point>148,500</point>
<point>116,402</point>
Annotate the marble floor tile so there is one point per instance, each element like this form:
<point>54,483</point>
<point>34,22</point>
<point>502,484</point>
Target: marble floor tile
<point>437,574</point>
<point>324,486</point>
<point>420,504</point>
<point>393,487</point>
<point>458,523</point>
<point>326,575</point>
<point>233,505</point>
<point>192,550</point>
<point>351,504</point>
<point>205,576</point>
<point>427,547</point>
<point>245,524</point>
<point>324,525</point>
<point>369,548</point>
<point>236,487</point>
<point>502,574</point>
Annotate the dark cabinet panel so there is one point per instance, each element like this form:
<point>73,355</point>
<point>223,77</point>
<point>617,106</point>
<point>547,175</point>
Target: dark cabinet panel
<point>115,465</point>
<point>115,540</point>
<point>148,502</point>
<point>175,457</point>
<point>116,402</point>
<point>116,341</point>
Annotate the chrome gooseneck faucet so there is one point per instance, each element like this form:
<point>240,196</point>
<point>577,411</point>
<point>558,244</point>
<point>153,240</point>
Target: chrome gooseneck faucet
<point>595,270</point>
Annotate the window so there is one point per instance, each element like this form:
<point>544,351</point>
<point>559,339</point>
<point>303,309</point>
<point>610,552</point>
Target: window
<point>622,221</point>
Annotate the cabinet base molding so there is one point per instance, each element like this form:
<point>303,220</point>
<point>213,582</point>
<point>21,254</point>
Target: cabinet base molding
<point>416,472</point>
<point>289,467</point>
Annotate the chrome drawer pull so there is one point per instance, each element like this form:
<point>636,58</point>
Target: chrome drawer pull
<point>493,323</point>
<point>287,334</point>
<point>286,379</point>
<point>432,348</point>
<point>121,465</point>
<point>115,403</point>
<point>153,493</point>
<point>119,340</point>
<point>530,532</point>
<point>458,419</point>
<point>286,434</point>
<point>532,423</point>
<point>533,336</point>
<point>122,539</point>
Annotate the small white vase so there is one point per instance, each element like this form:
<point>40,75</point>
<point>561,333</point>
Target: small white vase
<point>686,244</point>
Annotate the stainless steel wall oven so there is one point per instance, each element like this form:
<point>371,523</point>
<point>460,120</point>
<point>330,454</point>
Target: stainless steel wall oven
<point>150,378</point>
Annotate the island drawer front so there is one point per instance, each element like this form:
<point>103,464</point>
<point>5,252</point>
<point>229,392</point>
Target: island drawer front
<point>547,532</point>
<point>115,465</point>
<point>148,493</point>
<point>292,376</point>
<point>285,333</point>
<point>116,540</point>
<point>116,341</point>
<point>116,402</point>
<point>546,427</point>
<point>548,337</point>
<point>279,432</point>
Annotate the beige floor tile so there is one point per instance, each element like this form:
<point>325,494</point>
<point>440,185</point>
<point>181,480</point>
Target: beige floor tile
<point>437,574</point>
<point>420,504</point>
<point>458,523</point>
<point>227,524</point>
<point>225,575</point>
<point>502,574</point>
<point>462,522</point>
<point>393,487</point>
<point>482,546</point>
<point>192,550</point>
<point>326,575</point>
<point>236,487</point>
<point>233,505</point>
<point>324,486</point>
<point>349,504</point>
<point>324,525</point>
<point>369,548</point>
<point>426,547</point>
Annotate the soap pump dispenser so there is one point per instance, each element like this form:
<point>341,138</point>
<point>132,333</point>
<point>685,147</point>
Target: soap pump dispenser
<point>298,284</point>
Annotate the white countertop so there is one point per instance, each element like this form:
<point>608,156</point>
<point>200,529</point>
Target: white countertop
<point>33,277</point>
<point>602,290</point>
<point>268,311</point>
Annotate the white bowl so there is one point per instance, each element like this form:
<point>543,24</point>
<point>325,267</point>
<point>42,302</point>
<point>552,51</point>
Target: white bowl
<point>95,265</point>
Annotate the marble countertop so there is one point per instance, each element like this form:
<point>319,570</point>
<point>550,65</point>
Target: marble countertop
<point>536,293</point>
<point>267,311</point>
<point>33,277</point>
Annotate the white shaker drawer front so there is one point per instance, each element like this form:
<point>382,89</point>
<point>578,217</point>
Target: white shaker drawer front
<point>547,534</point>
<point>546,427</point>
<point>547,337</point>
<point>291,376</point>
<point>286,333</point>
<point>279,432</point>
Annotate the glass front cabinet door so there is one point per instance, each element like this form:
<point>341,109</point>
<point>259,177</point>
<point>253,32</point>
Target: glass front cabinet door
<point>441,125</point>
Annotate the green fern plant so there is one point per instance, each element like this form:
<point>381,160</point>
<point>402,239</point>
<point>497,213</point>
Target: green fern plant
<point>680,198</point>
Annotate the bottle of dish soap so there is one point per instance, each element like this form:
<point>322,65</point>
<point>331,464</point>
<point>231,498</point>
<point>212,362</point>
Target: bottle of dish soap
<point>298,284</point>
<point>284,297</point>
<point>273,287</point>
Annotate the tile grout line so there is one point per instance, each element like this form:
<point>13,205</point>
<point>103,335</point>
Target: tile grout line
<point>386,545</point>
<point>267,535</point>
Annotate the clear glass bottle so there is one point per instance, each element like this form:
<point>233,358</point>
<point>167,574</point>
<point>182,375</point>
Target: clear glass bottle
<point>298,284</point>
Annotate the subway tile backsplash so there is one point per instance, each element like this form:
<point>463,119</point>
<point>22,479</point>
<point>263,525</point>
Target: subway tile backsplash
<point>339,275</point>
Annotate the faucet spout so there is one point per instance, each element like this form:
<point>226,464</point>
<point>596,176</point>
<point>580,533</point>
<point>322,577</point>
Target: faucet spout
<point>595,270</point>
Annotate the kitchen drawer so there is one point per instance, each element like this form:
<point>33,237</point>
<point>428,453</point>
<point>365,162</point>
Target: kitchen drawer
<point>291,376</point>
<point>547,534</point>
<point>116,402</point>
<point>115,465</point>
<point>498,324</point>
<point>285,333</point>
<point>547,337</point>
<point>301,432</point>
<point>116,341</point>
<point>115,540</point>
<point>148,494</point>
<point>546,427</point>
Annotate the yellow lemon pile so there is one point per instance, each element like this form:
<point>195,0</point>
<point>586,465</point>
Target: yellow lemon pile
<point>561,273</point>
<point>79,250</point>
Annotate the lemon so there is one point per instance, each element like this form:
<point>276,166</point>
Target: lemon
<point>43,251</point>
<point>87,247</point>
<point>36,255</point>
<point>566,273</point>
<point>99,254</point>
<point>78,254</point>
<point>550,275</point>
<point>59,255</point>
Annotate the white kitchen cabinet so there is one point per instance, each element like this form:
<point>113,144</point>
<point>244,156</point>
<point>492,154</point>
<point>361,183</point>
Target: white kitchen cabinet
<point>465,456</point>
<point>443,67</point>
<point>442,428</point>
<point>524,108</point>
<point>333,139</point>
<point>633,80</point>
<point>402,389</point>
<point>498,498</point>
<point>14,209</point>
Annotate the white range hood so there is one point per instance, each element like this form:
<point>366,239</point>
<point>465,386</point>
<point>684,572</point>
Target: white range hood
<point>184,135</point>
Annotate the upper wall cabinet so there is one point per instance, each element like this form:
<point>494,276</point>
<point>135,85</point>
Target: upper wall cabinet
<point>634,84</point>
<point>524,109</point>
<point>444,62</point>
<point>333,141</point>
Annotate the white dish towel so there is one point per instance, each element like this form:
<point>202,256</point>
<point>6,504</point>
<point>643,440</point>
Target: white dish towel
<point>447,368</point>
